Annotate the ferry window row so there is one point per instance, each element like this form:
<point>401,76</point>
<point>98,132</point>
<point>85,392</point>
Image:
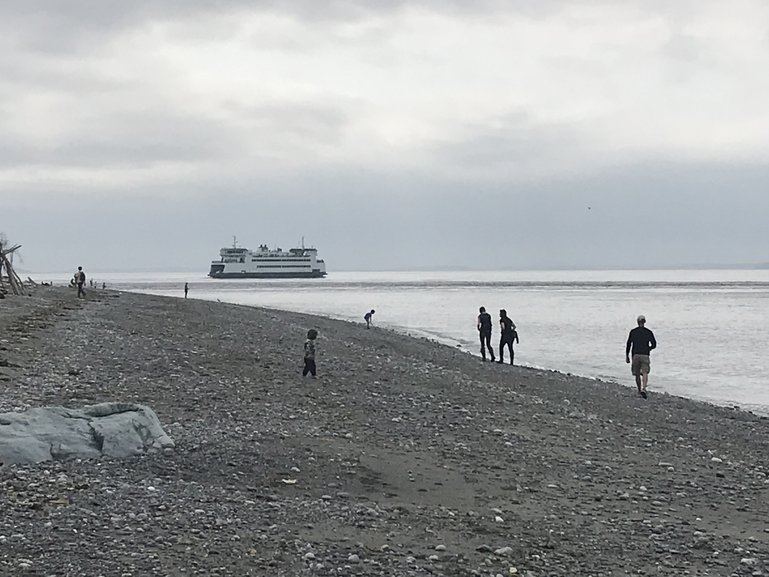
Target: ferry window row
<point>271,259</point>
<point>283,266</point>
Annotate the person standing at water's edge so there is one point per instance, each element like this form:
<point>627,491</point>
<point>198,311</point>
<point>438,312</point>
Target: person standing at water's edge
<point>80,281</point>
<point>509,335</point>
<point>641,341</point>
<point>484,331</point>
<point>367,318</point>
<point>309,353</point>
<point>186,289</point>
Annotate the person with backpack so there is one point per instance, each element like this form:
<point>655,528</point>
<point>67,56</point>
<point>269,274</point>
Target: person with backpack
<point>484,331</point>
<point>309,354</point>
<point>80,281</point>
<point>509,334</point>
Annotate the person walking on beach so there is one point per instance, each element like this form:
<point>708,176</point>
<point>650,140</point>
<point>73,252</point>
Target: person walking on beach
<point>641,341</point>
<point>509,335</point>
<point>80,281</point>
<point>186,289</point>
<point>309,353</point>
<point>367,318</point>
<point>484,331</point>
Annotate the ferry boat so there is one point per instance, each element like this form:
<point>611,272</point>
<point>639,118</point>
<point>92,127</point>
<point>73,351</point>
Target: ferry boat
<point>239,262</point>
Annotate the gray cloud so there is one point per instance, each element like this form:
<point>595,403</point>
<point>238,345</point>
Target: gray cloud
<point>511,142</point>
<point>317,123</point>
<point>136,138</point>
<point>142,137</point>
<point>80,26</point>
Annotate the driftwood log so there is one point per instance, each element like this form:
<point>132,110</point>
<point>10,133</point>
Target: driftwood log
<point>7,275</point>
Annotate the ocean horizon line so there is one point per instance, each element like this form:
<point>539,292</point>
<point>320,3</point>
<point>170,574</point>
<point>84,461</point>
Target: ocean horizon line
<point>173,270</point>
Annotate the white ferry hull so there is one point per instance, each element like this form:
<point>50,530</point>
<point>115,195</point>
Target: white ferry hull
<point>239,262</point>
<point>272,275</point>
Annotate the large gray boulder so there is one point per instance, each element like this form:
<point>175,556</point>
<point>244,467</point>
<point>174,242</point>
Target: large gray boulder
<point>55,433</point>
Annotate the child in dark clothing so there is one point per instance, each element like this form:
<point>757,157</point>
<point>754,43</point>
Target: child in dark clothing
<point>309,353</point>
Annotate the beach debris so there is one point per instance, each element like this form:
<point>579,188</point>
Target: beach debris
<point>7,275</point>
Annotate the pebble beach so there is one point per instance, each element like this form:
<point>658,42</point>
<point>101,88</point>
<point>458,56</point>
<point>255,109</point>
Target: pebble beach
<point>404,458</point>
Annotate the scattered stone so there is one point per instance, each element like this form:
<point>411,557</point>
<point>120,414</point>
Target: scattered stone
<point>488,454</point>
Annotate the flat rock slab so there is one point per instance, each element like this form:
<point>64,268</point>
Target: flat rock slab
<point>57,433</point>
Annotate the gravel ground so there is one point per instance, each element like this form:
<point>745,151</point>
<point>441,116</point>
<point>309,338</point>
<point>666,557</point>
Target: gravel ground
<point>404,458</point>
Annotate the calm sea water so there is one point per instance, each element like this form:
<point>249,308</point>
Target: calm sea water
<point>711,326</point>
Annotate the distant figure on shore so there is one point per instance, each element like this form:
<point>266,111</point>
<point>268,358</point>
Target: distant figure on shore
<point>186,289</point>
<point>484,331</point>
<point>641,341</point>
<point>509,335</point>
<point>309,353</point>
<point>103,286</point>
<point>80,281</point>
<point>367,318</point>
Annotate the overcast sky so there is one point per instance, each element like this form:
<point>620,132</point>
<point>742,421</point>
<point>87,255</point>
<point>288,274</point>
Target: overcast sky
<point>142,135</point>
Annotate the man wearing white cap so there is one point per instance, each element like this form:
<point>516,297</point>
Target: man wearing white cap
<point>642,342</point>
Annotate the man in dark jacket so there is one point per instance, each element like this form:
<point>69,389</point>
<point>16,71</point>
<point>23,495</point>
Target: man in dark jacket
<point>484,330</point>
<point>641,341</point>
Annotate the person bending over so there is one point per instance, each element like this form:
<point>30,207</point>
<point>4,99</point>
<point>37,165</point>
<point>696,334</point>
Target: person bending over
<point>509,335</point>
